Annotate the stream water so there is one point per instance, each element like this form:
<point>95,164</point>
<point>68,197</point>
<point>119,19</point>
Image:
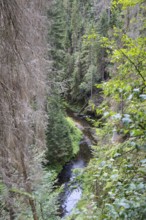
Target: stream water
<point>72,188</point>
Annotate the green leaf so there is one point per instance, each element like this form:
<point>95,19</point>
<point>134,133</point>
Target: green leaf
<point>143,96</point>
<point>114,177</point>
<point>124,204</point>
<point>141,186</point>
<point>143,161</point>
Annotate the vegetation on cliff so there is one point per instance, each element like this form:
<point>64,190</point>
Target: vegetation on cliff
<point>92,55</point>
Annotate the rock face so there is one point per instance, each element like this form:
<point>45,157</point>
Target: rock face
<point>23,90</point>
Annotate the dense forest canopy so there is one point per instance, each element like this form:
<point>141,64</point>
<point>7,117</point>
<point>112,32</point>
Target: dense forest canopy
<point>81,56</point>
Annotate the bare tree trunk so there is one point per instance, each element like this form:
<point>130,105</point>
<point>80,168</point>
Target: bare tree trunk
<point>11,213</point>
<point>28,188</point>
<point>10,206</point>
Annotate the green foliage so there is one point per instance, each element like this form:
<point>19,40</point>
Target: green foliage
<point>44,195</point>
<point>114,185</point>
<point>47,198</point>
<point>85,72</point>
<point>75,135</point>
<point>128,3</point>
<point>58,38</point>
<point>3,194</point>
<point>74,63</point>
<point>114,181</point>
<point>63,136</point>
<point>59,145</point>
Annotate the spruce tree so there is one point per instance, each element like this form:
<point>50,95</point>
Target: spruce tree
<point>59,146</point>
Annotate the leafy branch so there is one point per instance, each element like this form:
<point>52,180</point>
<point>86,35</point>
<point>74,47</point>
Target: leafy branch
<point>135,66</point>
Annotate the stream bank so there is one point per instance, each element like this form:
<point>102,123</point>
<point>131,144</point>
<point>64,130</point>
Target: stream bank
<point>72,188</point>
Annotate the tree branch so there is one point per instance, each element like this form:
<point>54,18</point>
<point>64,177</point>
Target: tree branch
<point>136,68</point>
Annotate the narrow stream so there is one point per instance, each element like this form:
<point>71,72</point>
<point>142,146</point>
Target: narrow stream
<point>72,188</point>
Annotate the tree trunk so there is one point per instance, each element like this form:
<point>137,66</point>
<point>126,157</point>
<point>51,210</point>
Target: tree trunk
<point>28,188</point>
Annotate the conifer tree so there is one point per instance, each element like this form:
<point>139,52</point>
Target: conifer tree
<point>59,145</point>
